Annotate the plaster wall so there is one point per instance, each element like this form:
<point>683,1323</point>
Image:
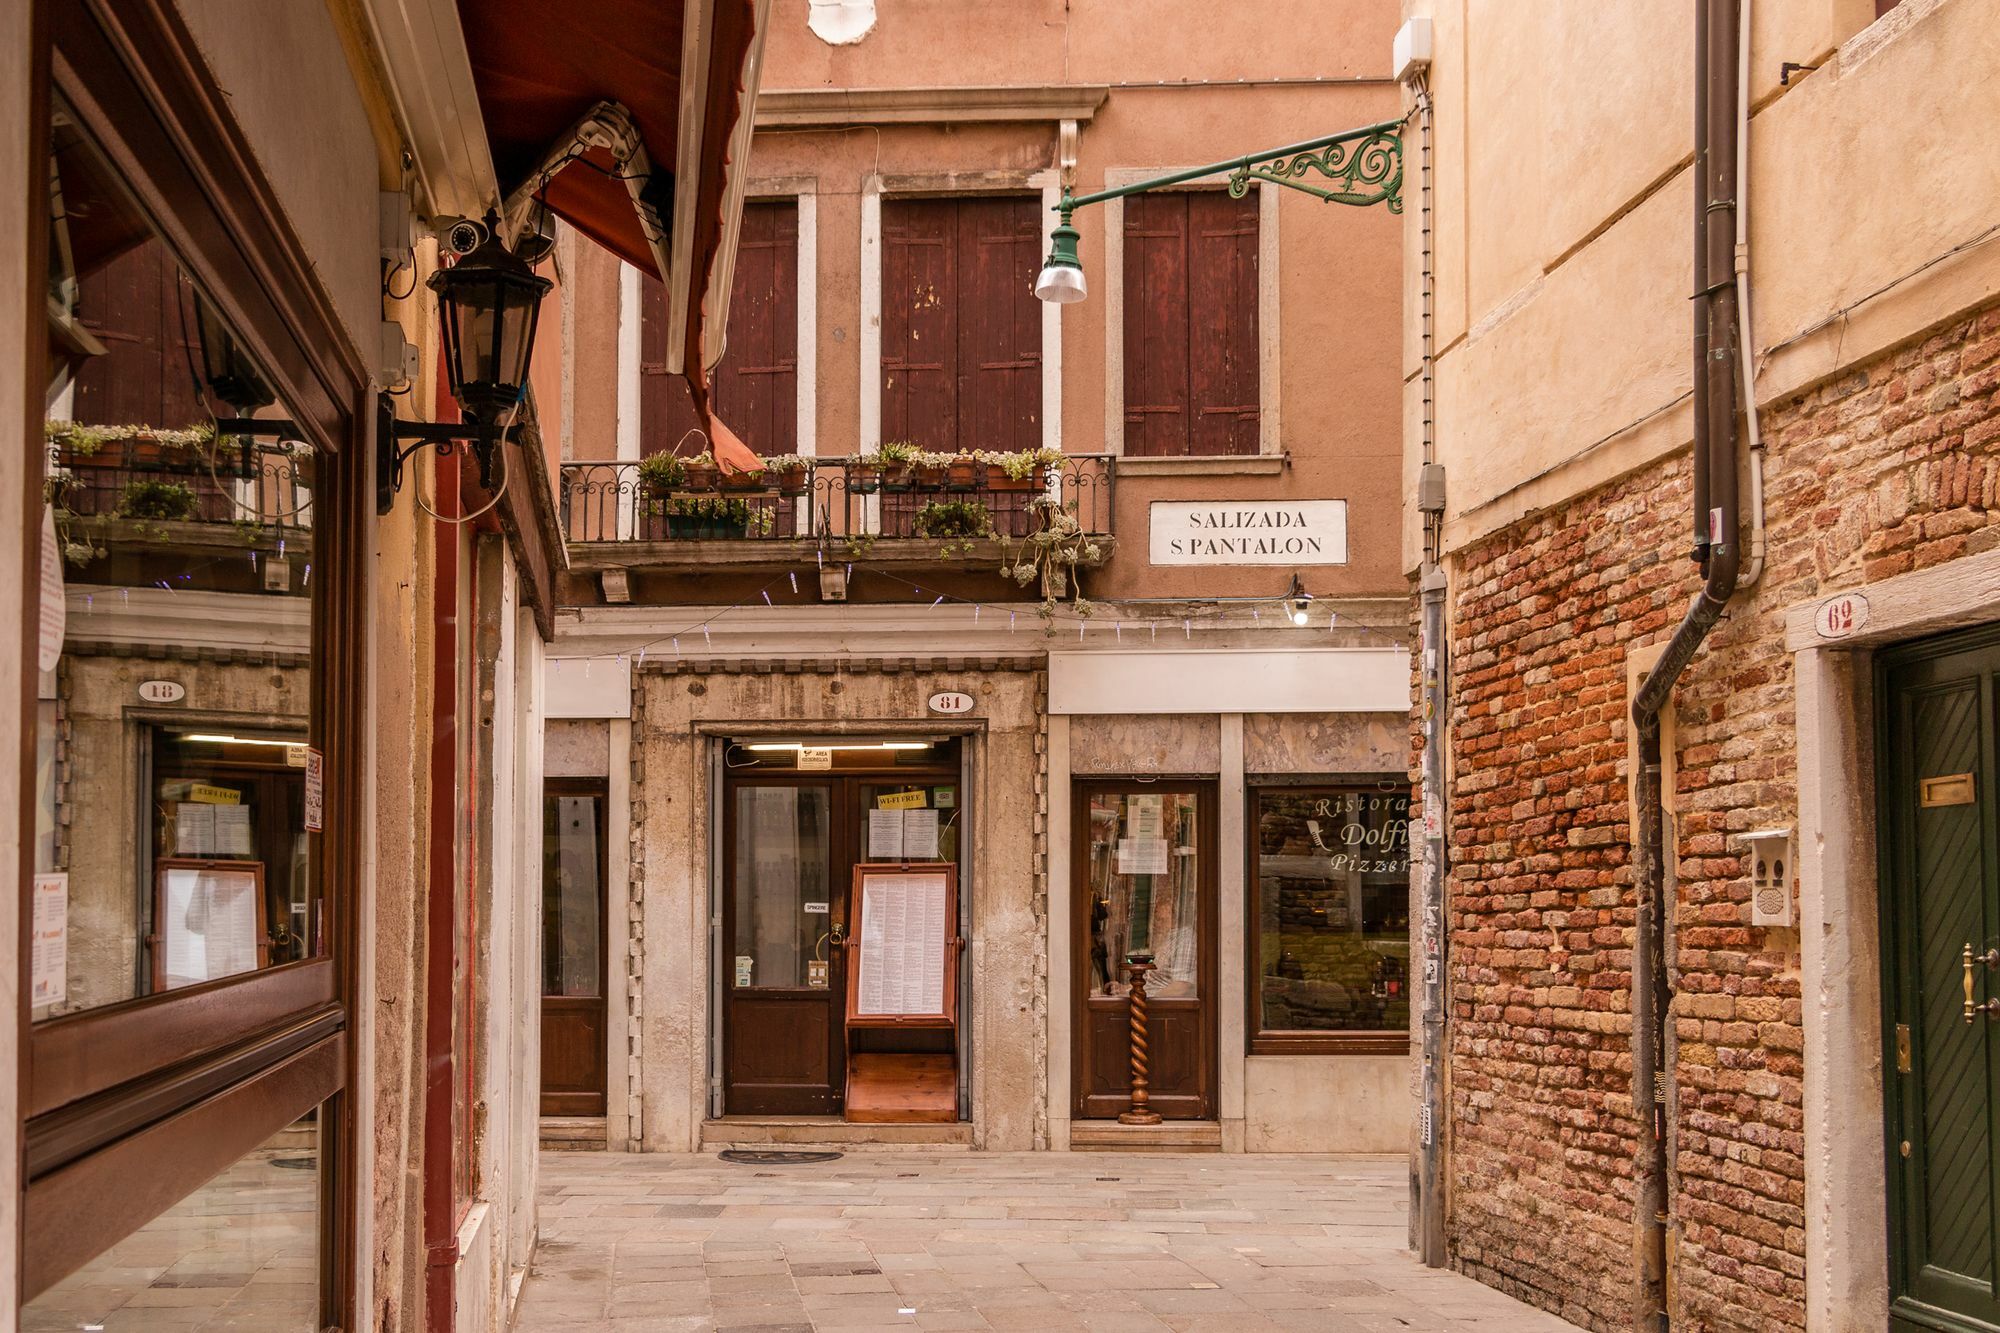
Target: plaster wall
<point>675,717</point>
<point>576,749</point>
<point>1563,222</point>
<point>272,61</point>
<point>1327,1103</point>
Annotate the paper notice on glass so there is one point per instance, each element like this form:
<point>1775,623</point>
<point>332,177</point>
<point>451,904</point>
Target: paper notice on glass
<point>920,835</point>
<point>901,800</point>
<point>885,835</point>
<point>1143,819</point>
<point>51,942</point>
<point>194,829</point>
<point>1142,856</point>
<point>315,789</point>
<point>232,830</point>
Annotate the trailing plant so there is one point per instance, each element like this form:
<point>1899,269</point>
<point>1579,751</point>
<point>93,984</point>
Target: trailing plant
<point>1021,464</point>
<point>899,451</point>
<point>962,523</point>
<point>89,439</point>
<point>161,501</point>
<point>1050,555</point>
<point>716,512</point>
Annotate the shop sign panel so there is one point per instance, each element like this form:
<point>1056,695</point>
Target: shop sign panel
<point>1249,532</point>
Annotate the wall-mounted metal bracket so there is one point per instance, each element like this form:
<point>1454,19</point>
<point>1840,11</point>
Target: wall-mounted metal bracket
<point>444,436</point>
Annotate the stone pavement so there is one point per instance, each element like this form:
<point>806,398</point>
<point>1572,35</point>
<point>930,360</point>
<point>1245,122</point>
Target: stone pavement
<point>1093,1241</point>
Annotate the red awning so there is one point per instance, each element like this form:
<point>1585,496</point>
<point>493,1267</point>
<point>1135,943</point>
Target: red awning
<point>540,66</point>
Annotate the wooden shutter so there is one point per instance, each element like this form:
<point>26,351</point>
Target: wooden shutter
<point>1191,336</point>
<point>142,307</point>
<point>961,329</point>
<point>755,389</point>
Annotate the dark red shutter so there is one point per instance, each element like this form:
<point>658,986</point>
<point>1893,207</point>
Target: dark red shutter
<point>755,389</point>
<point>1222,328</point>
<point>1191,349</point>
<point>961,329</point>
<point>142,309</point>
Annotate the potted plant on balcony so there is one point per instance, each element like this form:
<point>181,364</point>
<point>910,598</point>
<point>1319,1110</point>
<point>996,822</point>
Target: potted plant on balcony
<point>691,518</point>
<point>743,481</point>
<point>791,472</point>
<point>1020,470</point>
<point>660,475</point>
<point>864,473</point>
<point>158,501</point>
<point>929,470</point>
<point>899,460</point>
<point>701,471</point>
<point>963,472</point>
<point>960,523</point>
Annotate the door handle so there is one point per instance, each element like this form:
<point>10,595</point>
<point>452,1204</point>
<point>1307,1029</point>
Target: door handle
<point>1992,960</point>
<point>837,934</point>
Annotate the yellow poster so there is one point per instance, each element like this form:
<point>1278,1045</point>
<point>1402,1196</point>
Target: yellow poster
<point>900,800</point>
<point>208,795</point>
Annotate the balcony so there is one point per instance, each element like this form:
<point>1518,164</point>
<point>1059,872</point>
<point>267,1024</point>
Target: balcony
<point>154,491</point>
<point>853,510</point>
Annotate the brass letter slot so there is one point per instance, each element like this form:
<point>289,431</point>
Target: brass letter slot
<point>1902,1048</point>
<point>1950,789</point>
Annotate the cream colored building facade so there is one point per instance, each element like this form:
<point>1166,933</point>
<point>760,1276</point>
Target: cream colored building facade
<point>1561,249</point>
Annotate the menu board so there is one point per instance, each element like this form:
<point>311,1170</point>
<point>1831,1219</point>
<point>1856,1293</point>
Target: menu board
<point>903,954</point>
<point>208,920</point>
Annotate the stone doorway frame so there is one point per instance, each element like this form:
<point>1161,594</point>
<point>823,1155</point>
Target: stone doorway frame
<point>1847,1241</point>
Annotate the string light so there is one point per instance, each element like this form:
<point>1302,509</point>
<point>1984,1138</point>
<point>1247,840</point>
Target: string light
<point>793,575</point>
<point>766,592</point>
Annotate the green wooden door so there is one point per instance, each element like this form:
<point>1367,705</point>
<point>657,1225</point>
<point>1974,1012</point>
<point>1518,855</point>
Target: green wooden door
<point>1940,869</point>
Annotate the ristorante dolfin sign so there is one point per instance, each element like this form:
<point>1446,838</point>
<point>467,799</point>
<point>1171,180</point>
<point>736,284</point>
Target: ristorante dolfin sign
<point>1249,532</point>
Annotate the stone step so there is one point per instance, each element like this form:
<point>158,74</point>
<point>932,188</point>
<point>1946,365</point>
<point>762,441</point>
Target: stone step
<point>1168,1136</point>
<point>828,1134</point>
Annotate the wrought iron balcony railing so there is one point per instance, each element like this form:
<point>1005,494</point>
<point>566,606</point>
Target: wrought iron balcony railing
<point>832,503</point>
<point>160,484</point>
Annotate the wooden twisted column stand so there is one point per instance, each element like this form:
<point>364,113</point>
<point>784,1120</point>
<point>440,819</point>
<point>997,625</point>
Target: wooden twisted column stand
<point>1140,1113</point>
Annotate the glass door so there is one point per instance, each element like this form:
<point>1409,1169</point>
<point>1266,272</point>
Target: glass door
<point>1145,890</point>
<point>784,912</point>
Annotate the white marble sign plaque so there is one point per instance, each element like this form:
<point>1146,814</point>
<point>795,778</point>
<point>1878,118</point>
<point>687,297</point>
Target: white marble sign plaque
<point>1249,532</point>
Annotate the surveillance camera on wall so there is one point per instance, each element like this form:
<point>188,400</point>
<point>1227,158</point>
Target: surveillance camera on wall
<point>460,236</point>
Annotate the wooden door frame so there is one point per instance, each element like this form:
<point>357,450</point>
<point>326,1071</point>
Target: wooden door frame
<point>600,787</point>
<point>1895,891</point>
<point>1207,791</point>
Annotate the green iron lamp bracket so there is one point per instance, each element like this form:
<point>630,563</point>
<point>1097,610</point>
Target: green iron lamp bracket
<point>1366,164</point>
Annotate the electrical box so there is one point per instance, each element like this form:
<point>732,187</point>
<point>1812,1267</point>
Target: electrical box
<point>1772,871</point>
<point>1411,53</point>
<point>1430,488</point>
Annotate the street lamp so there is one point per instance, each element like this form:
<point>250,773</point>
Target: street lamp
<point>1298,602</point>
<point>1366,164</point>
<point>488,305</point>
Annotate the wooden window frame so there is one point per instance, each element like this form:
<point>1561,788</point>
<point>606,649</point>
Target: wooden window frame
<point>187,1082</point>
<point>599,788</point>
<point>1270,449</point>
<point>1259,1040</point>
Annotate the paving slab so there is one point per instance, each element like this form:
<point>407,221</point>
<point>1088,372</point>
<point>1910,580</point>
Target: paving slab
<point>978,1241</point>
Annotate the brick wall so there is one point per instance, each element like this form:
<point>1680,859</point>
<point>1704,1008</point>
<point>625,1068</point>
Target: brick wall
<point>1888,468</point>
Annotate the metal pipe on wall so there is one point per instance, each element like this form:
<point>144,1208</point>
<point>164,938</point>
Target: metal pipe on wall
<point>1715,449</point>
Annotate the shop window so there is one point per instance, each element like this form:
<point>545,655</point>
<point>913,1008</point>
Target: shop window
<point>242,1251</point>
<point>173,840</point>
<point>1329,929</point>
<point>1191,349</point>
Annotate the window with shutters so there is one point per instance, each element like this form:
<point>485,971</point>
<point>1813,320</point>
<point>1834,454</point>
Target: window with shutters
<point>1191,351</point>
<point>961,328</point>
<point>755,389</point>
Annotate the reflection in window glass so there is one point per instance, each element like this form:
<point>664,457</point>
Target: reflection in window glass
<point>1333,910</point>
<point>783,883</point>
<point>572,927</point>
<point>1145,891</point>
<point>173,729</point>
<point>240,1252</point>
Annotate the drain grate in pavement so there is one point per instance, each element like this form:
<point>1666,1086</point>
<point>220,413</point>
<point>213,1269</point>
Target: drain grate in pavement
<point>773,1157</point>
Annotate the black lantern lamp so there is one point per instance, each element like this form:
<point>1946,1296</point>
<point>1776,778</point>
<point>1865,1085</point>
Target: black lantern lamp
<point>230,374</point>
<point>488,305</point>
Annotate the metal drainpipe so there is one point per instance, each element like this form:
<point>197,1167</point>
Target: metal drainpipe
<point>1427,1217</point>
<point>1716,442</point>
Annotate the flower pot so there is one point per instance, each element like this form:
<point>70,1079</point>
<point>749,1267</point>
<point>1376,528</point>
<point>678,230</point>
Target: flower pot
<point>864,478</point>
<point>998,480</point>
<point>898,477</point>
<point>962,474</point>
<point>742,481</point>
<point>701,477</point>
<point>930,476</point>
<point>684,527</point>
<point>792,481</point>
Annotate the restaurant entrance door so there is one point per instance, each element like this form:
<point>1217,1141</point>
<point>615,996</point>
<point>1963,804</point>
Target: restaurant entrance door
<point>798,816</point>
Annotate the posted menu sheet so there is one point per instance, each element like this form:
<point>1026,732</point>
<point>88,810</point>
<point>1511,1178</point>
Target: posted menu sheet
<point>903,931</point>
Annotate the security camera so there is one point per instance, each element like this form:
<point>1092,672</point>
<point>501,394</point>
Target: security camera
<point>461,236</point>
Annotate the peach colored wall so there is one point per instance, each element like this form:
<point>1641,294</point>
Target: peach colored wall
<point>1339,332</point>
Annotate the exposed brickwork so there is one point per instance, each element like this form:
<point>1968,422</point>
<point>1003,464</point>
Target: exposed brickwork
<point>1892,467</point>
